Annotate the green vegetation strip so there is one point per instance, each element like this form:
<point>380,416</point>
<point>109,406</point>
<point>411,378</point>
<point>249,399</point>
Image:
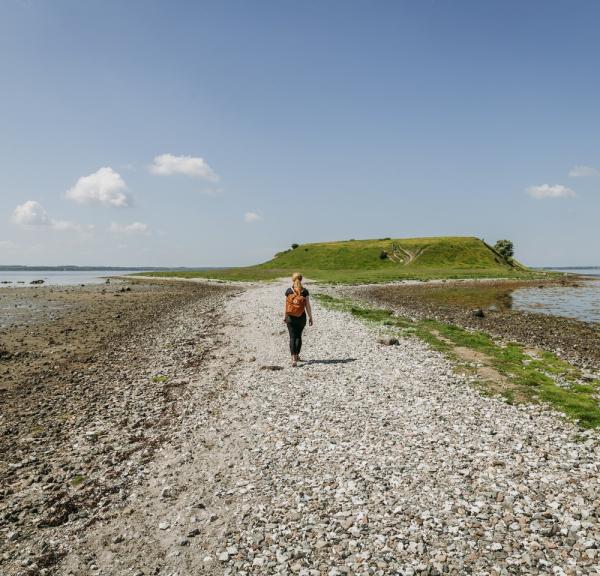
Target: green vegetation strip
<point>529,378</point>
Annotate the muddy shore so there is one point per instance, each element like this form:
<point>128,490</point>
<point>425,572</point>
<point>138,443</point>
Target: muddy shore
<point>87,394</point>
<point>456,303</point>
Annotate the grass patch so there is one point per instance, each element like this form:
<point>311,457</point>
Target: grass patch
<point>77,480</point>
<point>160,379</point>
<point>546,378</point>
<point>37,431</point>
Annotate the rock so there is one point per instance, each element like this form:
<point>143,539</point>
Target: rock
<point>164,526</point>
<point>5,354</point>
<point>223,557</point>
<point>388,341</point>
<point>37,282</point>
<point>193,533</point>
<point>478,313</point>
<point>272,368</point>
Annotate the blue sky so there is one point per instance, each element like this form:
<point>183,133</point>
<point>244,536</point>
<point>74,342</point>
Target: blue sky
<point>217,133</point>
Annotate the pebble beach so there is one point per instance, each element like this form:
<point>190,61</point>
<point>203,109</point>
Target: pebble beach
<point>197,449</point>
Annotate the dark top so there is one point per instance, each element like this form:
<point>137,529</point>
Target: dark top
<point>291,291</point>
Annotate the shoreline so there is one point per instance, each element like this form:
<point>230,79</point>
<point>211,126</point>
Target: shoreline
<point>573,340</point>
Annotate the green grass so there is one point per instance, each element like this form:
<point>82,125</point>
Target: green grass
<point>77,480</point>
<point>359,261</point>
<point>160,379</point>
<point>545,379</point>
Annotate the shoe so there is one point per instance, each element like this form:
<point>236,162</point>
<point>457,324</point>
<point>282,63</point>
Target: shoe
<point>294,364</point>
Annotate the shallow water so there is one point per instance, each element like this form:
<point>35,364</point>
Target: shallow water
<point>58,277</point>
<point>581,302</point>
<point>579,299</point>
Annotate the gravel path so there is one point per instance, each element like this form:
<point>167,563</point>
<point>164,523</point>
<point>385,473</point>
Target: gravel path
<point>366,459</point>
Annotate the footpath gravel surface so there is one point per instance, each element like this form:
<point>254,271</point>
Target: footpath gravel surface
<point>365,459</point>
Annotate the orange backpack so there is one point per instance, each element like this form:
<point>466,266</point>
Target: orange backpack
<point>295,304</point>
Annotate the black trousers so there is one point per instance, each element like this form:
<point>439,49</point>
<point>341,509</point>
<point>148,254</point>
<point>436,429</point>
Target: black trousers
<point>295,326</point>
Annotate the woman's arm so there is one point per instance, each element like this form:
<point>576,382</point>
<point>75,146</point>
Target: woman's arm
<point>309,311</point>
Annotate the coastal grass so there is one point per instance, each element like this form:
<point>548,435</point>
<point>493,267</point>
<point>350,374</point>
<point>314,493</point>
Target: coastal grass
<point>525,376</point>
<point>374,261</point>
<point>77,480</point>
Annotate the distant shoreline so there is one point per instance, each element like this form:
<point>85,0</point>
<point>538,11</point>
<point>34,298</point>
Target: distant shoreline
<point>69,268</point>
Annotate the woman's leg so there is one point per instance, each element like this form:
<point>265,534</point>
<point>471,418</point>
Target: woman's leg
<point>299,329</point>
<point>292,332</point>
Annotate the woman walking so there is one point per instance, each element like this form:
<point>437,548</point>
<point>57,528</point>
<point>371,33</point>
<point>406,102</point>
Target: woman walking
<point>297,305</point>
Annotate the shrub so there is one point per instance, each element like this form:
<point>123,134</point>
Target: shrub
<point>505,248</point>
<point>383,255</point>
<point>294,246</point>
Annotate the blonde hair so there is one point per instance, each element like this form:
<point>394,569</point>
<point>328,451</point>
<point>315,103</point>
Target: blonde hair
<point>297,282</point>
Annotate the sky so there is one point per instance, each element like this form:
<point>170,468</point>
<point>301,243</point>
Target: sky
<point>176,133</point>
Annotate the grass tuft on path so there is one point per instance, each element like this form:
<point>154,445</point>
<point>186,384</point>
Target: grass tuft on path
<point>515,373</point>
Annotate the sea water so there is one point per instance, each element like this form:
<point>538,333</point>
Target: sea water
<point>581,302</point>
<point>21,278</point>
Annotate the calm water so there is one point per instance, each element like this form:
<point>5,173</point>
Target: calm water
<point>59,278</point>
<point>581,302</point>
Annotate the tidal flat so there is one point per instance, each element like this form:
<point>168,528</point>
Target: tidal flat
<point>78,403</point>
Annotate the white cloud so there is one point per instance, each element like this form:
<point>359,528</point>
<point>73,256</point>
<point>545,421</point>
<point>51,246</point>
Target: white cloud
<point>168,164</point>
<point>252,216</point>
<point>66,225</point>
<point>102,187</point>
<point>583,171</point>
<point>546,191</point>
<point>32,214</point>
<point>131,229</point>
<point>6,245</point>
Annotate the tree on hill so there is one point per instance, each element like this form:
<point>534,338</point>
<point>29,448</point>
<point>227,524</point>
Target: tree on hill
<point>505,248</point>
<point>294,246</point>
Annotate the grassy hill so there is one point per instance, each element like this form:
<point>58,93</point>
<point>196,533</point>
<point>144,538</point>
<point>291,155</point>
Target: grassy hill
<point>380,260</point>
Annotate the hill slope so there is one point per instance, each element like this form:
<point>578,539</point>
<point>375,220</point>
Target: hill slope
<point>399,255</point>
<point>378,261</point>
